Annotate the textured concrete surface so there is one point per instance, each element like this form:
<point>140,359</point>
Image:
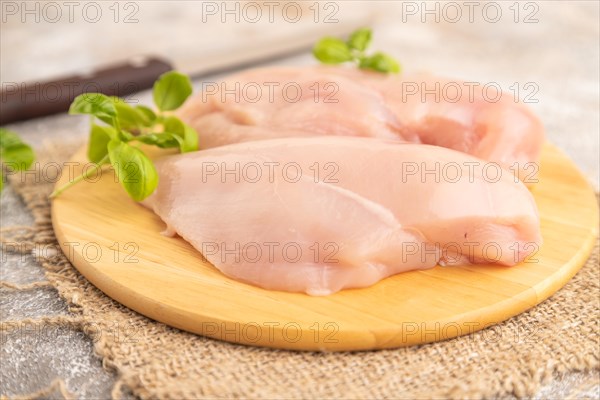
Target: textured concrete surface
<point>48,354</point>
<point>32,356</point>
<point>559,53</point>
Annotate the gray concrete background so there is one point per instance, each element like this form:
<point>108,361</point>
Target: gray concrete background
<point>559,53</point>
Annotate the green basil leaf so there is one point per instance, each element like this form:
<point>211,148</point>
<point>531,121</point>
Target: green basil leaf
<point>106,119</point>
<point>95,104</point>
<point>148,113</point>
<point>360,39</point>
<point>332,51</point>
<point>99,138</point>
<point>1,180</point>
<point>171,90</point>
<point>174,125</point>
<point>134,169</point>
<point>130,117</point>
<point>164,140</point>
<point>188,134</point>
<point>190,140</point>
<point>8,138</point>
<point>380,62</point>
<point>20,155</point>
<point>125,136</point>
<point>14,151</point>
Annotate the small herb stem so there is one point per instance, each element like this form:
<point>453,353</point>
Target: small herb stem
<point>81,177</point>
<point>116,124</point>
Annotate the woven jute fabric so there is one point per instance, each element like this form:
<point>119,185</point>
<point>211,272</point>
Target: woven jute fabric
<point>152,360</point>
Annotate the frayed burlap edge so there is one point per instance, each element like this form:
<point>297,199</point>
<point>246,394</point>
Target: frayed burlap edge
<point>155,361</point>
<point>56,386</point>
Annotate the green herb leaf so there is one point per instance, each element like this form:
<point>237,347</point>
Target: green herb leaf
<point>164,140</point>
<point>125,136</point>
<point>380,62</point>
<point>175,125</point>
<point>332,51</point>
<point>188,134</point>
<point>134,169</point>
<point>129,117</point>
<point>95,104</point>
<point>190,140</point>
<point>360,39</point>
<point>99,138</point>
<point>171,90</point>
<point>12,150</point>
<point>335,51</point>
<point>8,138</point>
<point>148,113</point>
<point>20,156</point>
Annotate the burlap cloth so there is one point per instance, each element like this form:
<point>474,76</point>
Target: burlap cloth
<point>155,361</point>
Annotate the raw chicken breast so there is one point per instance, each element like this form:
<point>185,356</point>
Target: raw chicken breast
<point>276,102</point>
<point>267,104</point>
<point>466,116</point>
<point>321,214</point>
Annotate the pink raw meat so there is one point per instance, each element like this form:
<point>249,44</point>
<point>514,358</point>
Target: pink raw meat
<point>271,103</point>
<point>321,214</point>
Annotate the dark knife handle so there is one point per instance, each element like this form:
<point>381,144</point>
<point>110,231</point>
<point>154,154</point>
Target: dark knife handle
<point>20,101</point>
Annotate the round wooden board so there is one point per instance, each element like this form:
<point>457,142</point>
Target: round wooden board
<point>117,245</point>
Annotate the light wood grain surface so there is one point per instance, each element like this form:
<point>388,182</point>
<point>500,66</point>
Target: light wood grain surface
<point>117,245</point>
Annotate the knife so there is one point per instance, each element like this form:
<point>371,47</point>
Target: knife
<point>31,100</point>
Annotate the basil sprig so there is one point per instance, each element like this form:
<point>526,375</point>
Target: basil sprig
<point>118,127</point>
<point>330,50</point>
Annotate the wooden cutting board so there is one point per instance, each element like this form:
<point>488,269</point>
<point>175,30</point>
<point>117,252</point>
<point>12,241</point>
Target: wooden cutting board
<point>117,245</point>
